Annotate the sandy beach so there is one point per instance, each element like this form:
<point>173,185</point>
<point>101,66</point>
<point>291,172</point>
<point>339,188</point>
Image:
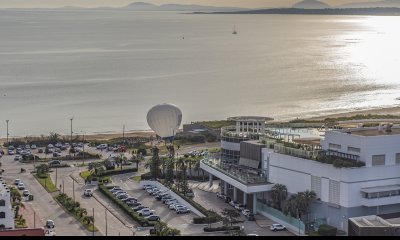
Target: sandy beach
<point>107,136</point>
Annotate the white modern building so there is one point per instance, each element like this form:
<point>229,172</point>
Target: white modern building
<point>354,172</point>
<point>6,212</point>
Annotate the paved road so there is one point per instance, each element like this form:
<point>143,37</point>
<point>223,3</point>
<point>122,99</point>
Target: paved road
<point>212,202</point>
<point>44,205</point>
<point>104,214</point>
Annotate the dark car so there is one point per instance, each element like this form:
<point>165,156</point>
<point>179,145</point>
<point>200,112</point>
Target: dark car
<point>227,199</point>
<point>137,208</point>
<point>251,217</point>
<point>40,150</point>
<point>153,218</point>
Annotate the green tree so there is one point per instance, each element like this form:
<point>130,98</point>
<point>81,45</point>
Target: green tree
<point>162,229</point>
<point>230,216</point>
<point>155,164</point>
<point>42,168</point>
<point>279,194</point>
<point>169,176</point>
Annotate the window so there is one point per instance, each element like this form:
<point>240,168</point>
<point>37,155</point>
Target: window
<point>316,185</point>
<point>2,203</point>
<point>334,192</point>
<point>2,215</point>
<point>335,146</point>
<point>378,160</point>
<point>353,149</point>
<point>398,158</point>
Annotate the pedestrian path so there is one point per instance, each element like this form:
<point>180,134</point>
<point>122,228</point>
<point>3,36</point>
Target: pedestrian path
<point>205,186</point>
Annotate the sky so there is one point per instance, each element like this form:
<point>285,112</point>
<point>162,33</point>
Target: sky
<point>119,3</point>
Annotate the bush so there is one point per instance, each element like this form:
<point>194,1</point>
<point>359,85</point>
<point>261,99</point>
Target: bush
<point>224,228</point>
<point>118,171</point>
<point>142,150</point>
<point>206,220</point>
<point>327,230</point>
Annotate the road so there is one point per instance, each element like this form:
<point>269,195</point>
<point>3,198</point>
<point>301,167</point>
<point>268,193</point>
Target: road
<point>44,205</point>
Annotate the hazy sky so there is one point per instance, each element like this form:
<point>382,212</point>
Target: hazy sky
<point>117,3</point>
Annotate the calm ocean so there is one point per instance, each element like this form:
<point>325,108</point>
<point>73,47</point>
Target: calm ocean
<point>108,68</point>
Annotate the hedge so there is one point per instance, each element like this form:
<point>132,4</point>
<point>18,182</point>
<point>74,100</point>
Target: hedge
<point>224,228</point>
<point>327,230</point>
<point>142,221</point>
<point>118,171</point>
<point>205,220</point>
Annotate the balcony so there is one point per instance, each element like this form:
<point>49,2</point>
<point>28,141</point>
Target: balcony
<point>246,180</point>
<point>373,202</point>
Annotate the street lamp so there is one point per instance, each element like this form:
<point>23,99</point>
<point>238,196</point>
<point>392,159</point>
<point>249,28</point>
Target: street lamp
<point>7,131</point>
<point>71,129</point>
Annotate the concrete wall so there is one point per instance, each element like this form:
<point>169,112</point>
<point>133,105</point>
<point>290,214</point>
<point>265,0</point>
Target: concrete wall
<point>369,145</point>
<point>173,195</point>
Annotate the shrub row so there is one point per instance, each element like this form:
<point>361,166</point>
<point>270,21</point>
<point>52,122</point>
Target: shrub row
<point>118,171</point>
<point>224,228</point>
<point>140,220</point>
<point>327,230</point>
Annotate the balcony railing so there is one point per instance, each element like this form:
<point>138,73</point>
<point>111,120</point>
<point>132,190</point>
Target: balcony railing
<point>238,173</point>
<point>300,153</point>
<point>231,132</point>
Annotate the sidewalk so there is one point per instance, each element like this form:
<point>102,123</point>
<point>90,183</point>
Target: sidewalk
<point>28,213</point>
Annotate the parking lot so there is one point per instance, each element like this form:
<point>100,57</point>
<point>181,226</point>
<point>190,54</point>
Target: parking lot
<point>183,222</point>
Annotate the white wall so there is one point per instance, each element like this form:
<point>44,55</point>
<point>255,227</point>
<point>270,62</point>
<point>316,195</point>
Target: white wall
<point>296,173</point>
<point>8,222</point>
<point>369,145</point>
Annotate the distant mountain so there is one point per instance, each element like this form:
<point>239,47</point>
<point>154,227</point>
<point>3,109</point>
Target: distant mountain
<point>384,3</point>
<point>311,4</point>
<point>141,6</point>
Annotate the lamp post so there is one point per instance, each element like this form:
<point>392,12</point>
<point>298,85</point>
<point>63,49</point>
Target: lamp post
<point>105,212</point>
<point>7,131</point>
<point>93,224</point>
<point>71,129</point>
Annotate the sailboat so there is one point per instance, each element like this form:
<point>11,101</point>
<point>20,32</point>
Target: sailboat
<point>234,30</point>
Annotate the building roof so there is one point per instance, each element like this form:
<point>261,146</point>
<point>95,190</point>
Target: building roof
<point>23,232</point>
<point>250,119</point>
<point>380,189</point>
<point>366,132</point>
<point>308,141</point>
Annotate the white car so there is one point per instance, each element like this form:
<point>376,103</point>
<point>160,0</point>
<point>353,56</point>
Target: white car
<point>21,186</point>
<point>246,212</point>
<point>277,227</point>
<point>145,212</point>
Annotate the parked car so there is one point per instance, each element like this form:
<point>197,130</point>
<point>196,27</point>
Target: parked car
<point>18,157</point>
<point>153,218</point>
<point>233,203</point>
<point>50,146</point>
<point>133,204</point>
<point>27,147</point>
<point>10,152</point>
<point>56,154</point>
<point>240,207</point>
<point>182,210</point>
<point>220,195</point>
<point>17,181</point>
<point>40,150</point>
<point>277,227</point>
<point>50,224</point>
<point>138,208</point>
<point>115,188</point>
<point>88,192</point>
<point>11,148</point>
<point>251,217</point>
<point>145,186</point>
<point>25,193</point>
<point>145,212</point>
<point>246,212</point>
<point>21,186</point>
<point>55,163</point>
<point>33,146</point>
<point>130,199</point>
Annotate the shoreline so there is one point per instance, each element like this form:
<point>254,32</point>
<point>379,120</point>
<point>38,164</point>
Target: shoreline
<point>147,133</point>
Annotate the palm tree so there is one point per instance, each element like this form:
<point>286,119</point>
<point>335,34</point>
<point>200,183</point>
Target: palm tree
<point>18,206</point>
<point>291,206</point>
<point>197,166</point>
<point>279,194</point>
<point>88,219</point>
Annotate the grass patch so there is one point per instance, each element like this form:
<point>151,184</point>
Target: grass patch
<point>46,182</point>
<point>85,174</point>
<point>136,178</point>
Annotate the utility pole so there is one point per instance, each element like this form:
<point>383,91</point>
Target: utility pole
<point>83,148</point>
<point>93,224</point>
<point>56,176</point>
<point>7,131</point>
<point>105,211</point>
<point>71,130</point>
<point>34,219</point>
<point>73,188</point>
<point>123,134</point>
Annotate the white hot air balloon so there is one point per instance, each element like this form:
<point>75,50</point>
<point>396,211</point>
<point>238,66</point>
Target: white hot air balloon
<point>164,119</point>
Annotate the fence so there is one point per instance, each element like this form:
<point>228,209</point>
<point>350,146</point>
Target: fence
<point>291,223</point>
